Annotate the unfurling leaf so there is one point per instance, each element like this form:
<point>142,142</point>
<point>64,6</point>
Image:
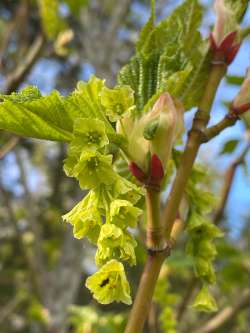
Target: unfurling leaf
<point>29,114</point>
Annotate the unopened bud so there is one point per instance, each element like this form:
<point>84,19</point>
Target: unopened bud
<point>156,170</point>
<point>224,36</point>
<point>137,172</point>
<point>170,125</point>
<point>241,103</point>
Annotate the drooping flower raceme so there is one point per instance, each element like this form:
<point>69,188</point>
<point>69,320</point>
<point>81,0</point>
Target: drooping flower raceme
<point>110,207</point>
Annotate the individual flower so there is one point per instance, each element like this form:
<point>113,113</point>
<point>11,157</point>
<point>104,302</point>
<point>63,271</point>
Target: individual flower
<point>94,169</point>
<point>123,213</point>
<point>126,190</point>
<point>204,301</point>
<point>89,134</point>
<point>117,102</point>
<point>241,102</point>
<point>113,242</point>
<point>224,36</point>
<point>122,189</point>
<point>200,227</point>
<point>155,133</point>
<point>110,284</point>
<point>85,218</point>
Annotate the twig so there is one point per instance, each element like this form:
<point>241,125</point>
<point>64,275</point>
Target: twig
<point>213,131</point>
<point>14,79</point>
<point>13,141</point>
<point>226,314</point>
<point>229,177</point>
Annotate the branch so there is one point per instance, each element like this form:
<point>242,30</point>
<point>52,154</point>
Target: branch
<point>213,131</point>
<point>13,141</point>
<point>226,314</point>
<point>227,186</point>
<point>15,78</point>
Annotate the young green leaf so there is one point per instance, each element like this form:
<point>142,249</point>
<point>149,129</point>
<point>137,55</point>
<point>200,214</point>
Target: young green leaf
<point>170,53</point>
<point>30,114</point>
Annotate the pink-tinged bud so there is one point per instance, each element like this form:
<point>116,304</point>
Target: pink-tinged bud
<point>223,39</point>
<point>243,97</point>
<point>137,172</point>
<point>241,103</point>
<point>228,41</point>
<point>156,170</point>
<point>169,129</point>
<point>231,54</point>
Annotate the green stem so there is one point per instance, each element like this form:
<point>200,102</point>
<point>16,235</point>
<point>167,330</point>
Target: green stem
<point>145,293</point>
<point>155,232</point>
<point>194,141</point>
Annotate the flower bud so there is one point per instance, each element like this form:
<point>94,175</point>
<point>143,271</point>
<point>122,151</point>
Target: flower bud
<point>156,170</point>
<point>170,126</point>
<point>153,134</point>
<point>137,172</point>
<point>224,36</point>
<point>241,102</point>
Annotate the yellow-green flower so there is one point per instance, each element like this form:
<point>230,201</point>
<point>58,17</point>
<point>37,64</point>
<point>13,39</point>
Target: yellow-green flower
<point>85,218</point>
<point>110,284</point>
<point>117,102</point>
<point>123,213</point>
<point>204,301</point>
<point>113,242</point>
<point>94,169</point>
